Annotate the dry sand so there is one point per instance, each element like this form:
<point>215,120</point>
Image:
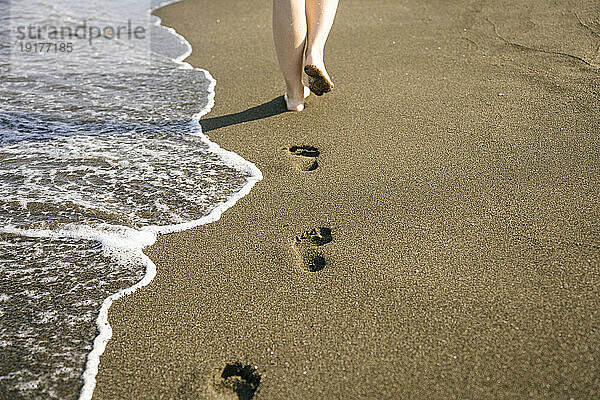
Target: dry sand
<point>458,172</point>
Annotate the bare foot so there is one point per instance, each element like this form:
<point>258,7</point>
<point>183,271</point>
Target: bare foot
<point>319,80</point>
<point>293,104</point>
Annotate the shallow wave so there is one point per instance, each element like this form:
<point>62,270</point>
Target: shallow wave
<point>100,151</point>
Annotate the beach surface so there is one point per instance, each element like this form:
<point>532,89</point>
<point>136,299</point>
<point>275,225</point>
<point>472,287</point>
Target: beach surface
<point>452,196</point>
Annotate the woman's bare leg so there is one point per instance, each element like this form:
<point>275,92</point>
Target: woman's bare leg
<point>289,33</point>
<point>319,18</point>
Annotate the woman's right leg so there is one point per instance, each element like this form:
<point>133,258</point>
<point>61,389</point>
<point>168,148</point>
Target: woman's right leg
<point>289,34</point>
<point>319,19</point>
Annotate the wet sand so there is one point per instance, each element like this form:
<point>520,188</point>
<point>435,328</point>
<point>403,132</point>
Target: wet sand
<point>454,205</point>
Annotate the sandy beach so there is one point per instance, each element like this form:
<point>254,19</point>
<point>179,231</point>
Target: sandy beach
<point>435,237</point>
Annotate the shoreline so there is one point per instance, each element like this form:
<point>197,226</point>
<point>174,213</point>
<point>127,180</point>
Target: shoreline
<point>446,267</point>
<point>104,328</point>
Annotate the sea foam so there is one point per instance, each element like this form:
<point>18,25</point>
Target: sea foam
<point>97,160</point>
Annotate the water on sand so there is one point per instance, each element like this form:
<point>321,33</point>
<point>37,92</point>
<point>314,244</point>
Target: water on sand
<point>100,149</point>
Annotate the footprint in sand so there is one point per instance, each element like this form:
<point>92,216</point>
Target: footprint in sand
<point>307,247</point>
<point>234,382</point>
<point>305,157</point>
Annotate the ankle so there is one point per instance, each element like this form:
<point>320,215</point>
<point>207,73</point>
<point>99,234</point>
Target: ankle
<point>295,91</point>
<point>314,57</point>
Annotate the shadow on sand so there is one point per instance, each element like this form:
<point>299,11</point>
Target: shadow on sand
<point>265,110</point>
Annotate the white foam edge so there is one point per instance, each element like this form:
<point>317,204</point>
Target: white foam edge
<point>146,236</point>
<point>231,158</point>
<point>111,237</point>
<point>158,22</point>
